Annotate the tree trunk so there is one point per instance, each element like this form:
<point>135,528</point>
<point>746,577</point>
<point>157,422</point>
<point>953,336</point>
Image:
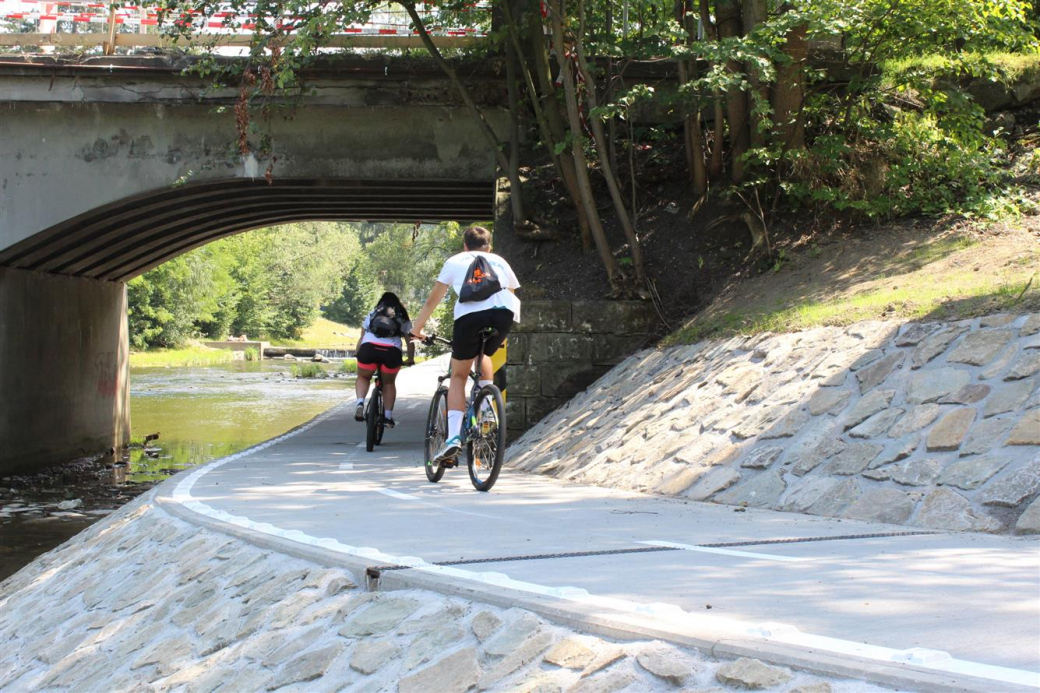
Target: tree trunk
<point>516,192</point>
<point>604,156</point>
<point>727,14</point>
<point>546,96</point>
<point>754,13</point>
<point>789,93</point>
<point>693,137</point>
<point>581,165</point>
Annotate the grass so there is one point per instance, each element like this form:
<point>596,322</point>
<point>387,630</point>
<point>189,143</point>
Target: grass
<point>188,356</point>
<point>324,334</point>
<point>308,370</point>
<point>946,279</point>
<point>1010,67</point>
<point>348,366</point>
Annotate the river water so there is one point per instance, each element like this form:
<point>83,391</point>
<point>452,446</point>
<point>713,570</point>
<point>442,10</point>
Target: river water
<point>200,414</point>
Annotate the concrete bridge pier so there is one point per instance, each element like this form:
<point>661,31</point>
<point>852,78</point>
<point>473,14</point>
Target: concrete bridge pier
<point>64,368</point>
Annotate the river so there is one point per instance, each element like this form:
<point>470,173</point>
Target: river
<point>200,413</point>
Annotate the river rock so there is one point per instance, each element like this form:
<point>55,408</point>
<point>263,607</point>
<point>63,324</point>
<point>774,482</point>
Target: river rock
<point>751,674</point>
<point>980,348</point>
<point>882,505</point>
<point>950,431</point>
<point>970,473</point>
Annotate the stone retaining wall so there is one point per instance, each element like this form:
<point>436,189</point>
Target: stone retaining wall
<point>926,424</point>
<point>143,601</point>
<point>561,347</point>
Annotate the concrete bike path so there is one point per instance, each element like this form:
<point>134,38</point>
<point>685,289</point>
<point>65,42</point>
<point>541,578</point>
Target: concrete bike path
<point>885,603</point>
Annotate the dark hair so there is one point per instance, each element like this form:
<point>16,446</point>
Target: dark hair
<point>477,238</point>
<point>391,300</point>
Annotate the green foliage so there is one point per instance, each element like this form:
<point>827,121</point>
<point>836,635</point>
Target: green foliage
<point>359,294</point>
<point>252,354</point>
<point>308,370</point>
<point>347,366</point>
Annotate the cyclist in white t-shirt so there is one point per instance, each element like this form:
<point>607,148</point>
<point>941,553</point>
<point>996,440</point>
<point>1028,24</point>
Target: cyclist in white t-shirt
<point>500,311</point>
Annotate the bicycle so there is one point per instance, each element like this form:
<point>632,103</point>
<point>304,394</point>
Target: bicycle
<point>375,423</point>
<point>483,426</point>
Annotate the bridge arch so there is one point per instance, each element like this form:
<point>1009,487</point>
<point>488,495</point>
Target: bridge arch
<point>108,169</point>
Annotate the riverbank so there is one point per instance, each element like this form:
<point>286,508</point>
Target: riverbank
<point>199,413</point>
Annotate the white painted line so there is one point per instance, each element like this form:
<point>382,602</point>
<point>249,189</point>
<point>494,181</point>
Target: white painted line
<point>666,615</point>
<point>416,499</point>
<point>360,445</point>
<point>346,466</point>
<point>413,405</point>
<point>396,494</point>
<point>726,552</point>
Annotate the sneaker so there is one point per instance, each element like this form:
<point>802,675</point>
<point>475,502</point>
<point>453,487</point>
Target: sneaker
<point>359,412</point>
<point>450,450</point>
<point>389,423</point>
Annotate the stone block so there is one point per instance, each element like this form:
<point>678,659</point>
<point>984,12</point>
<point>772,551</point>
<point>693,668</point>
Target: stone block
<point>554,348</point>
<point>867,406</point>
<point>834,500</point>
<point>763,457</point>
<point>516,413</point>
<point>539,408</point>
<point>570,653</point>
<point>1029,520</point>
<point>457,672</point>
<point>853,459</point>
<point>944,508</point>
<point>802,494</point>
<point>762,491</point>
<point>984,435</point>
<point>545,316</point>
<point>1031,325</point>
<point>949,433</point>
<point>875,374</point>
<point>1026,365</point>
<point>918,472</point>
<point>568,379</point>
<point>1027,430</point>
<point>914,420</point>
<point>516,350</point>
<point>882,505</point>
<point>969,394</point>
<point>931,385</point>
<point>718,479</point>
<point>913,333</point>
<point>666,666</point>
<point>371,655</point>
<point>980,348</point>
<point>970,473</point>
<point>877,424</point>
<point>935,344</point>
<point>1011,489</point>
<point>610,350</point>
<point>828,400</point>
<point>524,381</point>
<point>612,317</point>
<point>751,674</point>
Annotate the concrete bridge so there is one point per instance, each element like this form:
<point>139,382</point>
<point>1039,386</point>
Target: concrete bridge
<point>109,167</point>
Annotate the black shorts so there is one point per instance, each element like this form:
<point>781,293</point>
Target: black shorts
<point>371,355</point>
<point>465,342</point>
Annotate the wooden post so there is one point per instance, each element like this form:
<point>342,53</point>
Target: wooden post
<point>110,45</point>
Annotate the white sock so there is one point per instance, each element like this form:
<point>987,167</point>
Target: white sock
<point>388,413</point>
<point>454,423</point>
<point>360,400</point>
<point>482,383</point>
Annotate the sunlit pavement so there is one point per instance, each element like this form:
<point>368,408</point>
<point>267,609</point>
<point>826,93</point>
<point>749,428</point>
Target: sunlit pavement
<point>895,599</point>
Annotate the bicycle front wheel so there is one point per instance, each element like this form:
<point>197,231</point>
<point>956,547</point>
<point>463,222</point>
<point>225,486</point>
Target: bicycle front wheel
<point>486,446</point>
<point>436,434</point>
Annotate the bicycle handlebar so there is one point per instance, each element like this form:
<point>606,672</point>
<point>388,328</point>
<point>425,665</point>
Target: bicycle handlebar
<point>431,338</point>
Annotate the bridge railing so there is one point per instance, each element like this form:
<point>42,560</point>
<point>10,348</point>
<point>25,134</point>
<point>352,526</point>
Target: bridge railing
<point>48,25</point>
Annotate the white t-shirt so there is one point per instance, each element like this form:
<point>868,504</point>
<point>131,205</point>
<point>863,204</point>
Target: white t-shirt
<point>454,273</point>
<point>370,338</point>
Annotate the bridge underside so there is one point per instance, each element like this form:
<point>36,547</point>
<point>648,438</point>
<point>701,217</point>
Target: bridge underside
<point>119,241</point>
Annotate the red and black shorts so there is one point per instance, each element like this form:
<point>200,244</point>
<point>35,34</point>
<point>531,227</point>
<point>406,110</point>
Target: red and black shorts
<point>465,341</point>
<point>371,355</point>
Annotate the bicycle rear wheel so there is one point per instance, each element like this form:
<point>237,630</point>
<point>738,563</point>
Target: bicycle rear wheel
<point>381,419</point>
<point>486,446</point>
<point>436,433</point>
<point>372,415</point>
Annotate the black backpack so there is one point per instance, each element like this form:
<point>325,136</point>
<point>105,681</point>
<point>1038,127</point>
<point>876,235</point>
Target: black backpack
<point>384,322</point>
<point>480,282</point>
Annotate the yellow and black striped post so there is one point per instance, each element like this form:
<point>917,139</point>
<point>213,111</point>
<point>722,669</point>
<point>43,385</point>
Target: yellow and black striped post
<point>498,365</point>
